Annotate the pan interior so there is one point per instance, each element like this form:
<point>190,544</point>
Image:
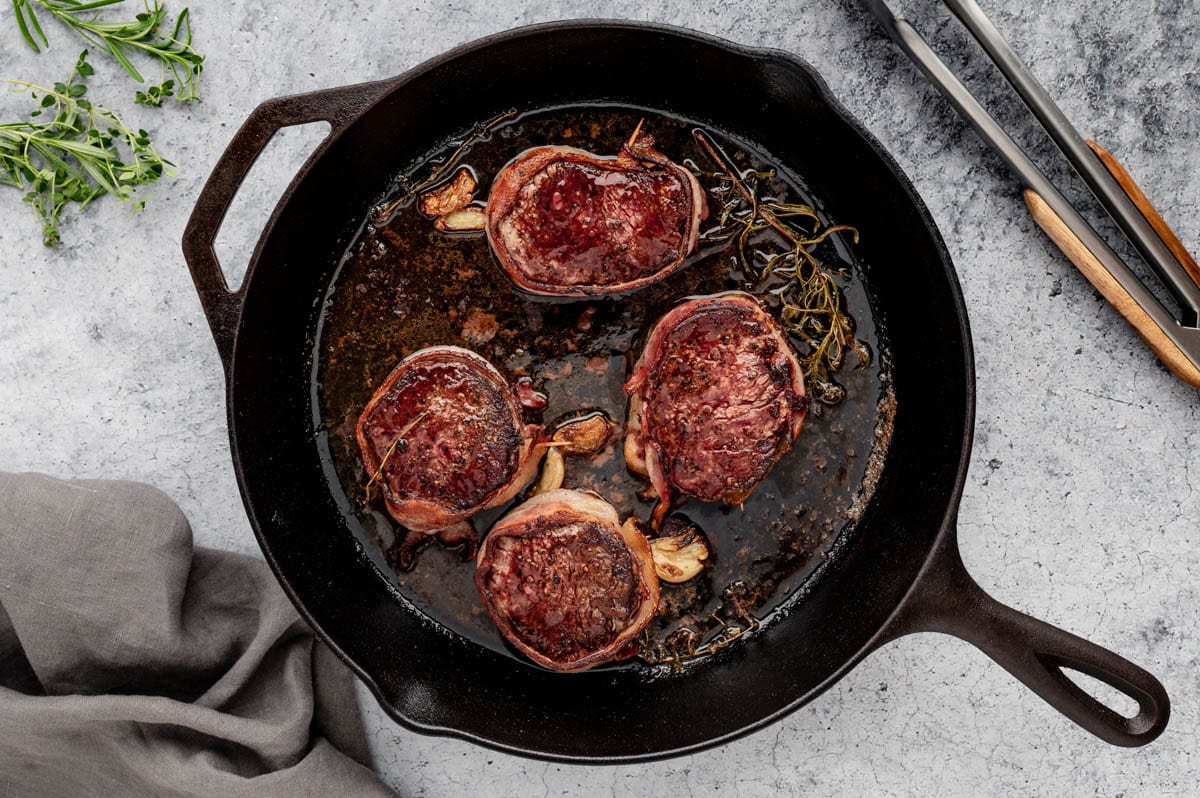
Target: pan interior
<point>439,681</point>
<point>403,286</point>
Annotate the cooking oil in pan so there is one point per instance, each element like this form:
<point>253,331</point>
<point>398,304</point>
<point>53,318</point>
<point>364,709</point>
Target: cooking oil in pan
<point>404,286</point>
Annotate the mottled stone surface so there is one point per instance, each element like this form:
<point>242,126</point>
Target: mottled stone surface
<point>1081,505</point>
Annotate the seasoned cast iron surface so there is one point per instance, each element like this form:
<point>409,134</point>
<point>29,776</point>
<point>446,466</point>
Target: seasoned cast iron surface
<point>404,286</point>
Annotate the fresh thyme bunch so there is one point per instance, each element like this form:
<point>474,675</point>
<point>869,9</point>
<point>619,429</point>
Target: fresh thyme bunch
<point>75,153</point>
<point>813,308</point>
<point>179,64</point>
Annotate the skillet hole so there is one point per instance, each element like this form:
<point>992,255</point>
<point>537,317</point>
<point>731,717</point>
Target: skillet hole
<point>259,193</point>
<point>1106,694</point>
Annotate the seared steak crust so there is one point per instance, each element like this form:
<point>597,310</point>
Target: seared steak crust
<point>448,430</point>
<point>717,398</point>
<point>564,221</point>
<point>564,583</point>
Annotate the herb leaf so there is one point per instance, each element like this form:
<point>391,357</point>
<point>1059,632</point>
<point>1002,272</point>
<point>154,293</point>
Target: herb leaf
<point>179,64</point>
<point>27,20</point>
<point>83,152</point>
<point>813,308</point>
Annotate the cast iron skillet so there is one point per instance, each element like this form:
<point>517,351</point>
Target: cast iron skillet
<point>899,573</point>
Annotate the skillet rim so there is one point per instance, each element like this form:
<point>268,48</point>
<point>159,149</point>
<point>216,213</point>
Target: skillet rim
<point>945,535</point>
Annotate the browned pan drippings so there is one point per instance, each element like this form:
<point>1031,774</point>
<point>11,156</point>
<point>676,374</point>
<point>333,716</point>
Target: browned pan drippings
<point>405,286</point>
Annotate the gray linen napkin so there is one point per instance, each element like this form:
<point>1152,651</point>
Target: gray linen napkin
<point>133,665</point>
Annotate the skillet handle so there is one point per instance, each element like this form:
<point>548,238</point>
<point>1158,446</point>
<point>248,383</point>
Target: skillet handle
<point>946,599</point>
<point>338,107</point>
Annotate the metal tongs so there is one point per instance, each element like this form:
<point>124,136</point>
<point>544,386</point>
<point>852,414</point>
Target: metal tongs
<point>1176,341</point>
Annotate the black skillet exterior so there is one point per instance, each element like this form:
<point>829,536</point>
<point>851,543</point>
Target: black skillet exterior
<point>899,573</point>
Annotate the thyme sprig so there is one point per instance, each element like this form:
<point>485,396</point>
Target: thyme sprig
<point>378,475</point>
<point>443,167</point>
<point>179,64</point>
<point>83,152</point>
<point>813,308</point>
<point>731,621</point>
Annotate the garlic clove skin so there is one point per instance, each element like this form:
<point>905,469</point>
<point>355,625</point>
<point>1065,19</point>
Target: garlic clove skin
<point>472,217</point>
<point>680,557</point>
<point>449,197</point>
<point>584,435</point>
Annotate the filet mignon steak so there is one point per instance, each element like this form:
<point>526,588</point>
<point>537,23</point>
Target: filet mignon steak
<point>448,431</point>
<point>716,399</point>
<point>565,583</point>
<point>563,221</point>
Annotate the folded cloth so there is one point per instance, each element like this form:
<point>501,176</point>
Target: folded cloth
<point>133,665</point>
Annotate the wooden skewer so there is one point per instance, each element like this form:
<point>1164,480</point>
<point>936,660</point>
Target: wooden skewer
<point>1098,276</point>
<point>1135,193</point>
<point>636,131</point>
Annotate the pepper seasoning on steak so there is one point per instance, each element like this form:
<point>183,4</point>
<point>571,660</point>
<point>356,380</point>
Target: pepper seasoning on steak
<point>716,398</point>
<point>563,221</point>
<point>444,438</point>
<point>565,583</point>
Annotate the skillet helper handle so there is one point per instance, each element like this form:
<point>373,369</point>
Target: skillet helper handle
<point>1167,350</point>
<point>222,307</point>
<point>946,599</point>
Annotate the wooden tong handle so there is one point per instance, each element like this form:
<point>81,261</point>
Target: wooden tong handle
<point>1135,193</point>
<point>1118,297</point>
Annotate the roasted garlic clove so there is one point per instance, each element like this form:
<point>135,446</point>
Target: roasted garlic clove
<point>472,217</point>
<point>553,471</point>
<point>680,557</point>
<point>584,434</point>
<point>449,197</point>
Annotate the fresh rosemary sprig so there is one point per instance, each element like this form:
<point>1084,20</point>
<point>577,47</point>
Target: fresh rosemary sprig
<point>83,152</point>
<point>180,65</point>
<point>813,309</point>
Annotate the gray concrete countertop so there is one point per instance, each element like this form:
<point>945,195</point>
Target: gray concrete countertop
<point>1081,506</point>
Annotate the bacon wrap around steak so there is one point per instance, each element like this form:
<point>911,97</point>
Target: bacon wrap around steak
<point>565,583</point>
<point>456,438</point>
<point>563,221</point>
<point>716,399</point>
